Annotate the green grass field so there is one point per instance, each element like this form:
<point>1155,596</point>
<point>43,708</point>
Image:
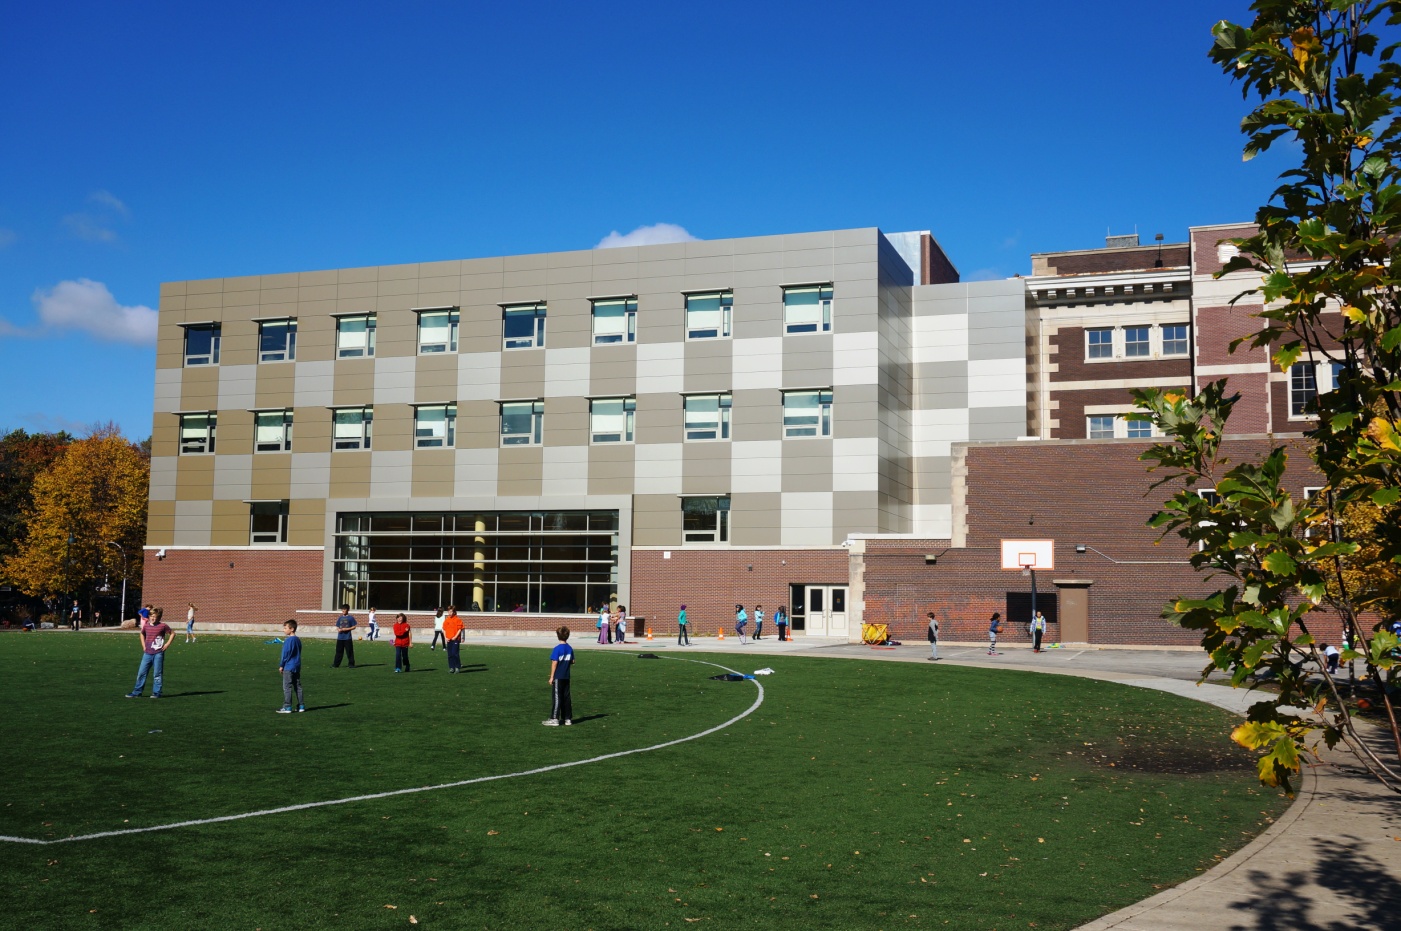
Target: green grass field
<point>860,795</point>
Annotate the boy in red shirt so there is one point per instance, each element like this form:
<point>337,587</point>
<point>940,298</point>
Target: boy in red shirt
<point>403,639</point>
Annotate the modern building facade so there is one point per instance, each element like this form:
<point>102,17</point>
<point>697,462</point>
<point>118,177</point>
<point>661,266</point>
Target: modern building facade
<point>528,437</point>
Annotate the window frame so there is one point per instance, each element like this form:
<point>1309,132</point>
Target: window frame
<point>1145,344</point>
<point>284,444</point>
<point>280,534</point>
<point>821,425</point>
<point>288,352</point>
<point>1120,427</point>
<point>1091,345</point>
<point>536,436</point>
<point>211,357</point>
<point>364,440</point>
<point>629,314</point>
<point>356,352</point>
<point>724,404</point>
<point>536,340</point>
<point>447,439</point>
<point>724,328</point>
<point>720,533</point>
<point>454,324</point>
<point>208,439</point>
<point>824,302</point>
<point>628,415</point>
<point>1186,340</point>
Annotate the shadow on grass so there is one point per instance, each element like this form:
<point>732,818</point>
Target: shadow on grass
<point>165,695</point>
<point>590,717</point>
<point>343,704</point>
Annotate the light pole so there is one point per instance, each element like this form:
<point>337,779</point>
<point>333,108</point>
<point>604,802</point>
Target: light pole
<point>68,577</point>
<point>121,614</point>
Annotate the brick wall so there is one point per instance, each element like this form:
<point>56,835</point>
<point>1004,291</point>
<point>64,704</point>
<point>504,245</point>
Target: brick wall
<point>1068,353</point>
<point>711,582</point>
<point>243,586</point>
<point>1070,409</point>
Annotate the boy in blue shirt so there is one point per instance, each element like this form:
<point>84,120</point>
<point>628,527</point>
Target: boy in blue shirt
<point>291,668</point>
<point>561,661</point>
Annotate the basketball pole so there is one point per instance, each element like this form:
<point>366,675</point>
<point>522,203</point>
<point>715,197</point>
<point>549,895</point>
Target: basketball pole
<point>1033,594</point>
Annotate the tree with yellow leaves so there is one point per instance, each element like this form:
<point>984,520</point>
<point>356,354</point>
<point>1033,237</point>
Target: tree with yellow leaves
<point>92,494</point>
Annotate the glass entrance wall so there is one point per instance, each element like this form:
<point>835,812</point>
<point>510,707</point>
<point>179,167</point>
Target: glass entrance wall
<point>542,561</point>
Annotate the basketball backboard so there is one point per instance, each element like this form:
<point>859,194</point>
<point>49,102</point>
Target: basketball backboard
<point>1028,554</point>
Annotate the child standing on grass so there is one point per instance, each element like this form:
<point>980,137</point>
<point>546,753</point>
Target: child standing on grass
<point>291,668</point>
<point>190,624</point>
<point>438,621</point>
<point>374,627</point>
<point>452,631</point>
<point>561,662</point>
<point>403,639</point>
<point>155,640</point>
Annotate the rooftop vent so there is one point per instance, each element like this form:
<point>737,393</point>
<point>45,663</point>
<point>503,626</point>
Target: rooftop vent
<point>1121,242</point>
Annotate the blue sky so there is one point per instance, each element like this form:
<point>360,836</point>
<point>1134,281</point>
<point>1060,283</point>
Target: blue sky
<point>149,142</point>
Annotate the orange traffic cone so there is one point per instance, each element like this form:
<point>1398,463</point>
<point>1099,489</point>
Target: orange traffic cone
<point>649,633</point>
<point>720,633</point>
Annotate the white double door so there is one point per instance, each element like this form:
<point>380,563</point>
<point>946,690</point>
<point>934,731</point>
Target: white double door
<point>826,611</point>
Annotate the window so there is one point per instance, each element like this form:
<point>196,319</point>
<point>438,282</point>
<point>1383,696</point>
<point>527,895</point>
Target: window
<point>523,327</point>
<point>708,315</point>
<point>1138,429</point>
<point>272,431</point>
<point>1303,388</point>
<point>708,417</point>
<point>1100,343</point>
<point>277,341</point>
<point>807,309</point>
<point>612,419</point>
<point>807,413</point>
<point>437,331</point>
<point>267,522</point>
<point>355,337</point>
<point>1101,428</point>
<point>705,520</point>
<point>1136,342</point>
<point>435,426</point>
<point>615,321</point>
<point>197,433</point>
<point>522,423</point>
<point>202,344</point>
<point>1175,339</point>
<point>352,428</point>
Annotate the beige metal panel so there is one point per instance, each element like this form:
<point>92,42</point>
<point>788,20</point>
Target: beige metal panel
<point>523,373</point>
<point>709,366</point>
<point>757,415</point>
<point>402,291</point>
<point>569,320</point>
<point>357,275</point>
<point>449,268</point>
<point>350,474</point>
<point>393,427</point>
<point>271,476</point>
<point>567,422</point>
<point>234,433</point>
<point>398,272</point>
<point>160,523</point>
<point>364,290</point>
<point>756,519</point>
<point>435,378</point>
<point>199,388</point>
<point>355,382</point>
<point>521,471</point>
<point>207,305</point>
<point>306,522</point>
<point>611,468</point>
<point>316,336</point>
<point>326,291</point>
<point>228,524</point>
<point>194,478</point>
<point>613,371</point>
<point>656,520</point>
<point>276,384</point>
<point>807,360</point>
<point>286,280</point>
<point>854,512</point>
<point>478,425</point>
<point>204,286</point>
<point>705,468</point>
<point>434,472</point>
<point>660,418</point>
<point>311,430</point>
<point>174,289</point>
<point>165,435</point>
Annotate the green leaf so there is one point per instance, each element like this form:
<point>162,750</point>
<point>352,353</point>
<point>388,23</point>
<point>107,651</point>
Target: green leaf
<point>1391,339</point>
<point>1385,496</point>
<point>1280,563</point>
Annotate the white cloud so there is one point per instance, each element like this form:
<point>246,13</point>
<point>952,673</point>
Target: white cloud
<point>7,238</point>
<point>89,307</point>
<point>109,200</point>
<point>646,236</point>
<point>86,226</point>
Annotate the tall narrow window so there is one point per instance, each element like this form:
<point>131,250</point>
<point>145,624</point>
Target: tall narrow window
<point>708,315</point>
<point>705,520</point>
<point>202,344</point>
<point>523,326</point>
<point>1099,343</point>
<point>353,427</point>
<point>1175,339</point>
<point>197,433</point>
<point>807,413</point>
<point>1303,388</point>
<point>277,341</point>
<point>267,522</point>
<point>435,426</point>
<point>612,419</point>
<point>807,309</point>
<point>437,331</point>
<point>708,417</point>
<point>355,337</point>
<point>272,431</point>
<point>522,423</point>
<point>615,321</point>
<point>1136,344</point>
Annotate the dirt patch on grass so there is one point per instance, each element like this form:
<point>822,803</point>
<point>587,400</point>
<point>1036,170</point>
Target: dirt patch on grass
<point>1175,758</point>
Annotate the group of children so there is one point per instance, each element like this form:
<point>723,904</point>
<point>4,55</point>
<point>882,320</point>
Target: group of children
<point>780,619</point>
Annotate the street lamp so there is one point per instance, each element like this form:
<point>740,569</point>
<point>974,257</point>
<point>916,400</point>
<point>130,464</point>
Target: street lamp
<point>121,615</point>
<point>68,576</point>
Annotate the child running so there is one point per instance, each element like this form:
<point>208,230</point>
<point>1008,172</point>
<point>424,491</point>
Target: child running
<point>291,668</point>
<point>741,619</point>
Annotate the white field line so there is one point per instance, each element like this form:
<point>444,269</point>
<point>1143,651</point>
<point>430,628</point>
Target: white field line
<point>759,700</point>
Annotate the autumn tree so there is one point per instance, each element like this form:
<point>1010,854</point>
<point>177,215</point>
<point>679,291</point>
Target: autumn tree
<point>93,492</point>
<point>23,456</point>
<point>1327,267</point>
